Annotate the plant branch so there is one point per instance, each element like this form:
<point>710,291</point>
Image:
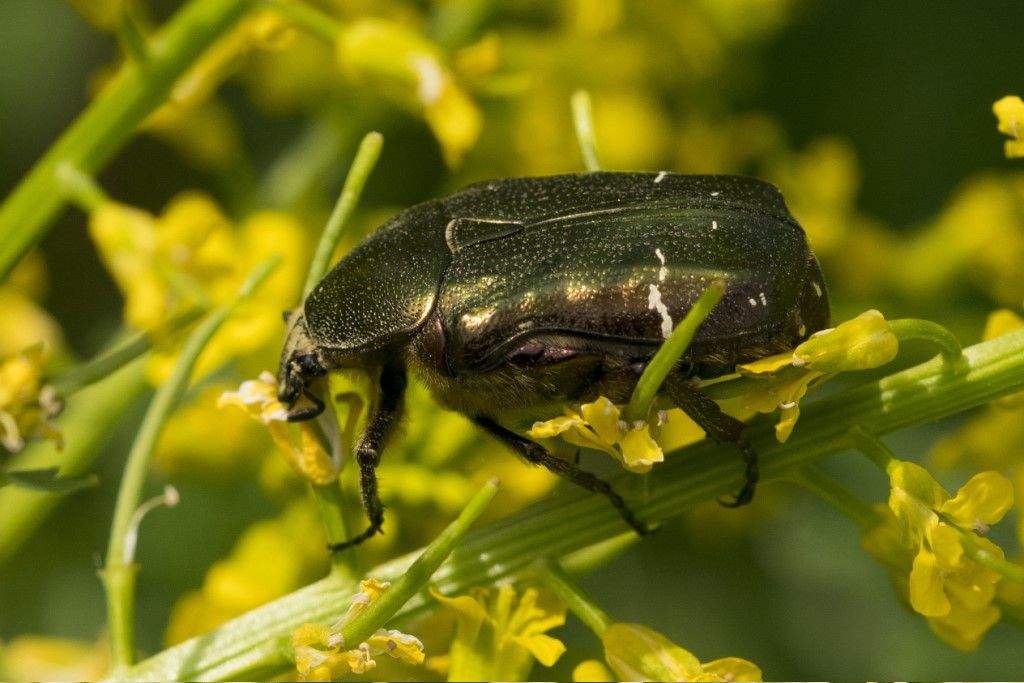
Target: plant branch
<point>576,519</point>
<point>110,121</point>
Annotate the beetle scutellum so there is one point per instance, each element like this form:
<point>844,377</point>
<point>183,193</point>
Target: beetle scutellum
<point>526,292</point>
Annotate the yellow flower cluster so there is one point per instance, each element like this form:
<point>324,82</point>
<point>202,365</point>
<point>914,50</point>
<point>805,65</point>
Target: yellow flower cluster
<point>26,404</point>
<point>922,541</point>
<point>499,632</point>
<point>192,255</point>
<point>321,654</point>
<point>638,653</point>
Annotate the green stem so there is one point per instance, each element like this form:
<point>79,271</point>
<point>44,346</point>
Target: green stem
<point>131,36</point>
<point>873,447</point>
<point>572,596</point>
<point>110,121</point>
<point>310,19</point>
<point>976,552</point>
<point>80,188</point>
<point>668,355</point>
<point>332,506</point>
<point>416,576</point>
<point>914,328</point>
<point>82,375</point>
<point>820,484</point>
<point>119,570</point>
<point>583,119</point>
<point>575,519</point>
<point>365,159</point>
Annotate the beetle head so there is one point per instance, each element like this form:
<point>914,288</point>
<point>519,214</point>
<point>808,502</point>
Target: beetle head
<point>300,368</point>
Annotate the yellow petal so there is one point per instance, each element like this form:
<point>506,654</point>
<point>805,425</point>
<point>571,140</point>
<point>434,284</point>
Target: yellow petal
<point>603,416</point>
<point>945,545</point>
<point>859,344</point>
<point>926,594</point>
<point>639,450</point>
<point>544,648</point>
<point>981,502</point>
<point>733,669</point>
<point>553,427</point>
<point>789,413</point>
<point>1010,112</point>
<point>963,628</point>
<point>768,365</point>
<point>401,646</point>
<point>592,671</point>
<point>638,653</point>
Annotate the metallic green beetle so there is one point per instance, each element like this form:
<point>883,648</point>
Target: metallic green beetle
<point>521,293</point>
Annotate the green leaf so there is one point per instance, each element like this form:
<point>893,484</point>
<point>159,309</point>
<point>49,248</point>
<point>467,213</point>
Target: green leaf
<point>47,480</point>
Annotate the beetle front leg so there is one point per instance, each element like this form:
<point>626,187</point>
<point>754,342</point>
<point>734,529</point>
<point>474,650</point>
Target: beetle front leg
<point>720,427</point>
<point>379,427</point>
<point>538,455</point>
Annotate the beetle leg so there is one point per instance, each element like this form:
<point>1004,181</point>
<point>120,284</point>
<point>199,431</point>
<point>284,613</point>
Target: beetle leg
<point>538,455</point>
<point>378,428</point>
<point>720,427</point>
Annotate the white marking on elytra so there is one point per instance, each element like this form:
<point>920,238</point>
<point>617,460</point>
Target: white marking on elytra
<point>817,288</point>
<point>753,301</point>
<point>663,271</point>
<point>661,176</point>
<point>714,225</point>
<point>715,194</point>
<point>655,303</point>
<point>764,299</point>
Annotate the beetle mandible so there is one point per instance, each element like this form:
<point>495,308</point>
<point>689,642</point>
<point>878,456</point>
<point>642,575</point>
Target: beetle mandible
<point>521,293</point>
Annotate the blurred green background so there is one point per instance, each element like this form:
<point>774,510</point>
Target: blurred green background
<point>907,86</point>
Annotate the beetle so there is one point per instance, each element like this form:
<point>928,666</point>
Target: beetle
<point>521,293</point>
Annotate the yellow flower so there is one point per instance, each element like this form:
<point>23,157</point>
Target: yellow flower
<point>24,322</point>
<point>270,559</point>
<point>44,658</point>
<point>26,405</point>
<point>860,344</point>
<point>1010,113</point>
<point>782,386</point>
<point>638,653</point>
<point>319,653</point>
<point>599,426</point>
<point>258,398</point>
<point>943,584</point>
<point>499,633</point>
<point>399,62</point>
<point>592,671</point>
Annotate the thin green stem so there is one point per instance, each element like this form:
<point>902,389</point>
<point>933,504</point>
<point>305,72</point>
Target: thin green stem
<point>119,571</point>
<point>575,520</point>
<point>419,572</point>
<point>80,188</point>
<point>828,489</point>
<point>332,506</point>
<point>873,447</point>
<point>572,596</point>
<point>583,120</point>
<point>310,19</point>
<point>110,121</point>
<point>95,369</point>
<point>915,328</point>
<point>668,355</point>
<point>976,552</point>
<point>131,36</point>
<point>365,159</point>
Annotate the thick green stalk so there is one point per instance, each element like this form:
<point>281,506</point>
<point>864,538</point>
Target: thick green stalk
<point>119,570</point>
<point>576,519</point>
<point>110,121</point>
